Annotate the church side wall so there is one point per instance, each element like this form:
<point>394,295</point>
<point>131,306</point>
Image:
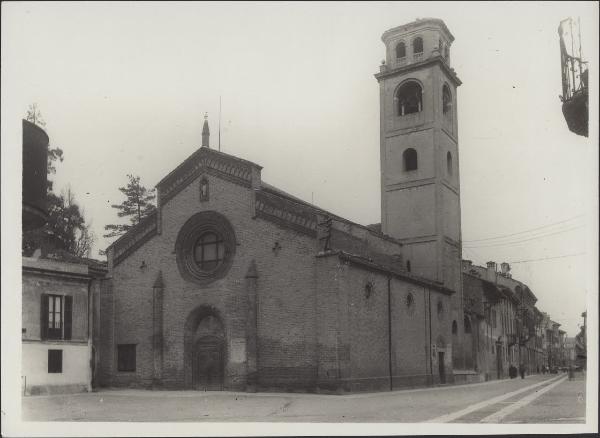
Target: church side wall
<point>410,335</point>
<point>364,318</point>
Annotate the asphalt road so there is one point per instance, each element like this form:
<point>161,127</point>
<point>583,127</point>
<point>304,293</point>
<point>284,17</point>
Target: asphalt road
<point>536,399</point>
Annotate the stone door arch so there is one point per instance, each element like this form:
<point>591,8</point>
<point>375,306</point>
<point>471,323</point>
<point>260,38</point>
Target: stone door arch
<point>205,353</point>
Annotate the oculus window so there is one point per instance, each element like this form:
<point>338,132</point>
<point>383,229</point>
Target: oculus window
<point>205,247</point>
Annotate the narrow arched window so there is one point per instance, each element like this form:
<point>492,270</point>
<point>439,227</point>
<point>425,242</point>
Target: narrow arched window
<point>410,98</point>
<point>446,53</point>
<point>449,162</point>
<point>417,45</point>
<point>446,100</point>
<point>454,327</point>
<point>408,265</point>
<point>410,161</point>
<point>400,50</point>
<point>204,189</point>
<point>467,325</point>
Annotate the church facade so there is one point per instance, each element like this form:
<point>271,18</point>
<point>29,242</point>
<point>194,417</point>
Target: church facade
<point>235,284</point>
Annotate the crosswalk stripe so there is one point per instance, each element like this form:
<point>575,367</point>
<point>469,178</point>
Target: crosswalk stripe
<point>477,406</point>
<point>496,417</point>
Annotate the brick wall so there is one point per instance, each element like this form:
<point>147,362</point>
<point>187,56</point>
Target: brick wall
<point>285,285</point>
<point>315,328</point>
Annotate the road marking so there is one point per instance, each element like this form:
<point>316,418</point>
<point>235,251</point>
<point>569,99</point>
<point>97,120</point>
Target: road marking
<point>496,417</point>
<point>454,415</point>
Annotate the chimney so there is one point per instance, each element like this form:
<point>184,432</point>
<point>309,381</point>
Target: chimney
<point>466,265</point>
<point>491,271</point>
<point>505,268</point>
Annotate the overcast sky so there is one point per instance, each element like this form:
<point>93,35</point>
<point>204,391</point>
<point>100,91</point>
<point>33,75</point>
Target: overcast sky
<point>123,88</point>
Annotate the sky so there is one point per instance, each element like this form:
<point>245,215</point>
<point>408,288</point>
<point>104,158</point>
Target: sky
<point>123,88</point>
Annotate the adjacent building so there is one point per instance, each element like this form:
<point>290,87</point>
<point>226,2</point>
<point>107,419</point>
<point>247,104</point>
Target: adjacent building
<point>57,352</point>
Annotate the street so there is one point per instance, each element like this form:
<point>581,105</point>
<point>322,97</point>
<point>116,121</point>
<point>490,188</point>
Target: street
<point>536,399</point>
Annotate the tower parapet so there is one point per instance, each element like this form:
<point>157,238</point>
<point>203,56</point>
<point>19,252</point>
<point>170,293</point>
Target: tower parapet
<point>416,42</point>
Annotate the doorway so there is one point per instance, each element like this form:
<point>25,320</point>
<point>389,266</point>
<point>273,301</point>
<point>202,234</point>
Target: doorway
<point>499,360</point>
<point>205,352</point>
<point>207,364</point>
<point>442,369</point>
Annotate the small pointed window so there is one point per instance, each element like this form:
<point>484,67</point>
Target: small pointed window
<point>417,45</point>
<point>204,189</point>
<point>400,50</point>
<point>410,161</point>
<point>446,100</point>
<point>449,162</point>
<point>454,328</point>
<point>409,98</point>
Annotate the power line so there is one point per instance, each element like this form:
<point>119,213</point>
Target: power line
<point>549,258</point>
<point>525,231</point>
<point>516,242</point>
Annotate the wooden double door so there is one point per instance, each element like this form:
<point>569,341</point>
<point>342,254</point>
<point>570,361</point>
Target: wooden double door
<point>208,364</point>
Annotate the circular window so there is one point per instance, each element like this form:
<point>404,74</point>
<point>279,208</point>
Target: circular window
<point>209,251</point>
<point>205,247</point>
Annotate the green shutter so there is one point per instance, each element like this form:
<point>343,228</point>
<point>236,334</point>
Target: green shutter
<point>44,317</point>
<point>68,316</point>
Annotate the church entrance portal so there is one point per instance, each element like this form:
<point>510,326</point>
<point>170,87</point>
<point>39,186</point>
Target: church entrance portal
<point>207,364</point>
<point>205,353</point>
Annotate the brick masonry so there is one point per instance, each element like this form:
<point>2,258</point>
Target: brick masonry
<point>314,328</point>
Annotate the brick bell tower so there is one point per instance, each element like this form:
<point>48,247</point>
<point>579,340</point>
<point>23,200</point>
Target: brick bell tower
<point>420,189</point>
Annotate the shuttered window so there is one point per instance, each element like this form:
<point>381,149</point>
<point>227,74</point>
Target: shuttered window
<point>56,317</point>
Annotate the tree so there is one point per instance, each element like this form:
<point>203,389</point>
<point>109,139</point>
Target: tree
<point>139,204</point>
<point>66,229</point>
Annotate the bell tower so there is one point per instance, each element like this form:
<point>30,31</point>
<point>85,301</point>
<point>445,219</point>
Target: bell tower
<point>420,189</point>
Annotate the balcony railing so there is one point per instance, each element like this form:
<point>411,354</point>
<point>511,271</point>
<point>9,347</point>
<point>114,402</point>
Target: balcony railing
<point>401,61</point>
<point>417,57</point>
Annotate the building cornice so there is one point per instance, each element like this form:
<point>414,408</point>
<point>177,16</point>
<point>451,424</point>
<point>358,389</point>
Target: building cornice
<point>368,264</point>
<point>391,72</point>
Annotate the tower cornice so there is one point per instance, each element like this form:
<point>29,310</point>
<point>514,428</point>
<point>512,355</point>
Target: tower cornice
<point>419,24</point>
<point>388,73</point>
